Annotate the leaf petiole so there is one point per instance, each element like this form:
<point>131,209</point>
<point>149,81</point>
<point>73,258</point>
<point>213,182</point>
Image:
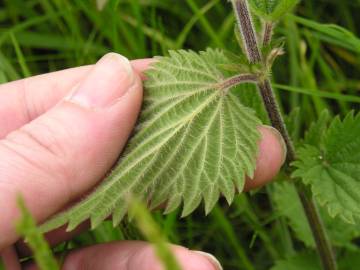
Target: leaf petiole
<point>239,79</point>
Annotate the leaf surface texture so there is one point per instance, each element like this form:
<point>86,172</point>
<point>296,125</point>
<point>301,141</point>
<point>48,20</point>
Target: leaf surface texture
<point>332,168</point>
<point>194,141</point>
<point>288,204</point>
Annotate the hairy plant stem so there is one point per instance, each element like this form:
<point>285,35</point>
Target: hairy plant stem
<point>247,30</point>
<point>254,56</point>
<point>268,30</point>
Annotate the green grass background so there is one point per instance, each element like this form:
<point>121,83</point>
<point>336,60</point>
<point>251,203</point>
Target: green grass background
<point>320,70</point>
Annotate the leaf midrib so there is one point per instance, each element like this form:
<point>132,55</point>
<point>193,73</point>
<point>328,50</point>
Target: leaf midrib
<point>111,180</point>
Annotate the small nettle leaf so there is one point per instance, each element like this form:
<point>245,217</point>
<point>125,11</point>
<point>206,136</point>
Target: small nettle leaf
<point>332,168</point>
<point>272,10</point>
<point>292,121</point>
<point>348,260</point>
<point>288,204</point>
<point>314,135</point>
<point>299,261</point>
<point>250,97</point>
<point>194,141</point>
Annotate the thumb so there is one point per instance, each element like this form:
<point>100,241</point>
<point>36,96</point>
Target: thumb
<point>63,153</point>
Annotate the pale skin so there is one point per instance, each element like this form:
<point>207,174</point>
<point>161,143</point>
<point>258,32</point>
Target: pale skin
<point>59,135</point>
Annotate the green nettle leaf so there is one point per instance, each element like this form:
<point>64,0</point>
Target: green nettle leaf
<point>333,168</point>
<point>250,97</point>
<point>194,141</point>
<point>314,135</point>
<point>299,261</point>
<point>272,10</point>
<point>288,205</point>
<point>292,121</point>
<point>350,260</point>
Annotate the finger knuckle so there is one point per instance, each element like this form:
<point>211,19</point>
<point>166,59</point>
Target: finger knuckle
<point>43,150</point>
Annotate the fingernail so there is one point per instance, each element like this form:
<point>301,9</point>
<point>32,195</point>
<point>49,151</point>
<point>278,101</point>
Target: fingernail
<point>211,258</point>
<point>107,81</point>
<point>280,140</point>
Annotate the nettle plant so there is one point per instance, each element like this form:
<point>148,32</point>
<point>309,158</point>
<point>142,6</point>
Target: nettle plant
<point>196,140</point>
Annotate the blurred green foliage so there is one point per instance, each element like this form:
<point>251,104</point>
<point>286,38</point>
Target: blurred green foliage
<point>320,70</point>
<point>26,227</point>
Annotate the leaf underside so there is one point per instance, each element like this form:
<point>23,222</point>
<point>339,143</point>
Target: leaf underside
<point>194,141</point>
<point>332,168</point>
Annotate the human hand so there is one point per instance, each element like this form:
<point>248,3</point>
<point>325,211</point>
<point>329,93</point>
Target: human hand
<point>59,135</point>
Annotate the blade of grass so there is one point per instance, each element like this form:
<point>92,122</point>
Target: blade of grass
<point>331,33</point>
<point>7,68</point>
<point>20,56</point>
<point>37,243</point>
<point>312,92</point>
<point>152,33</point>
<point>141,40</point>
<point>152,233</point>
<point>56,42</point>
<point>197,16</point>
<point>227,228</point>
<point>206,24</point>
<point>308,79</point>
<point>4,35</point>
<point>243,205</point>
